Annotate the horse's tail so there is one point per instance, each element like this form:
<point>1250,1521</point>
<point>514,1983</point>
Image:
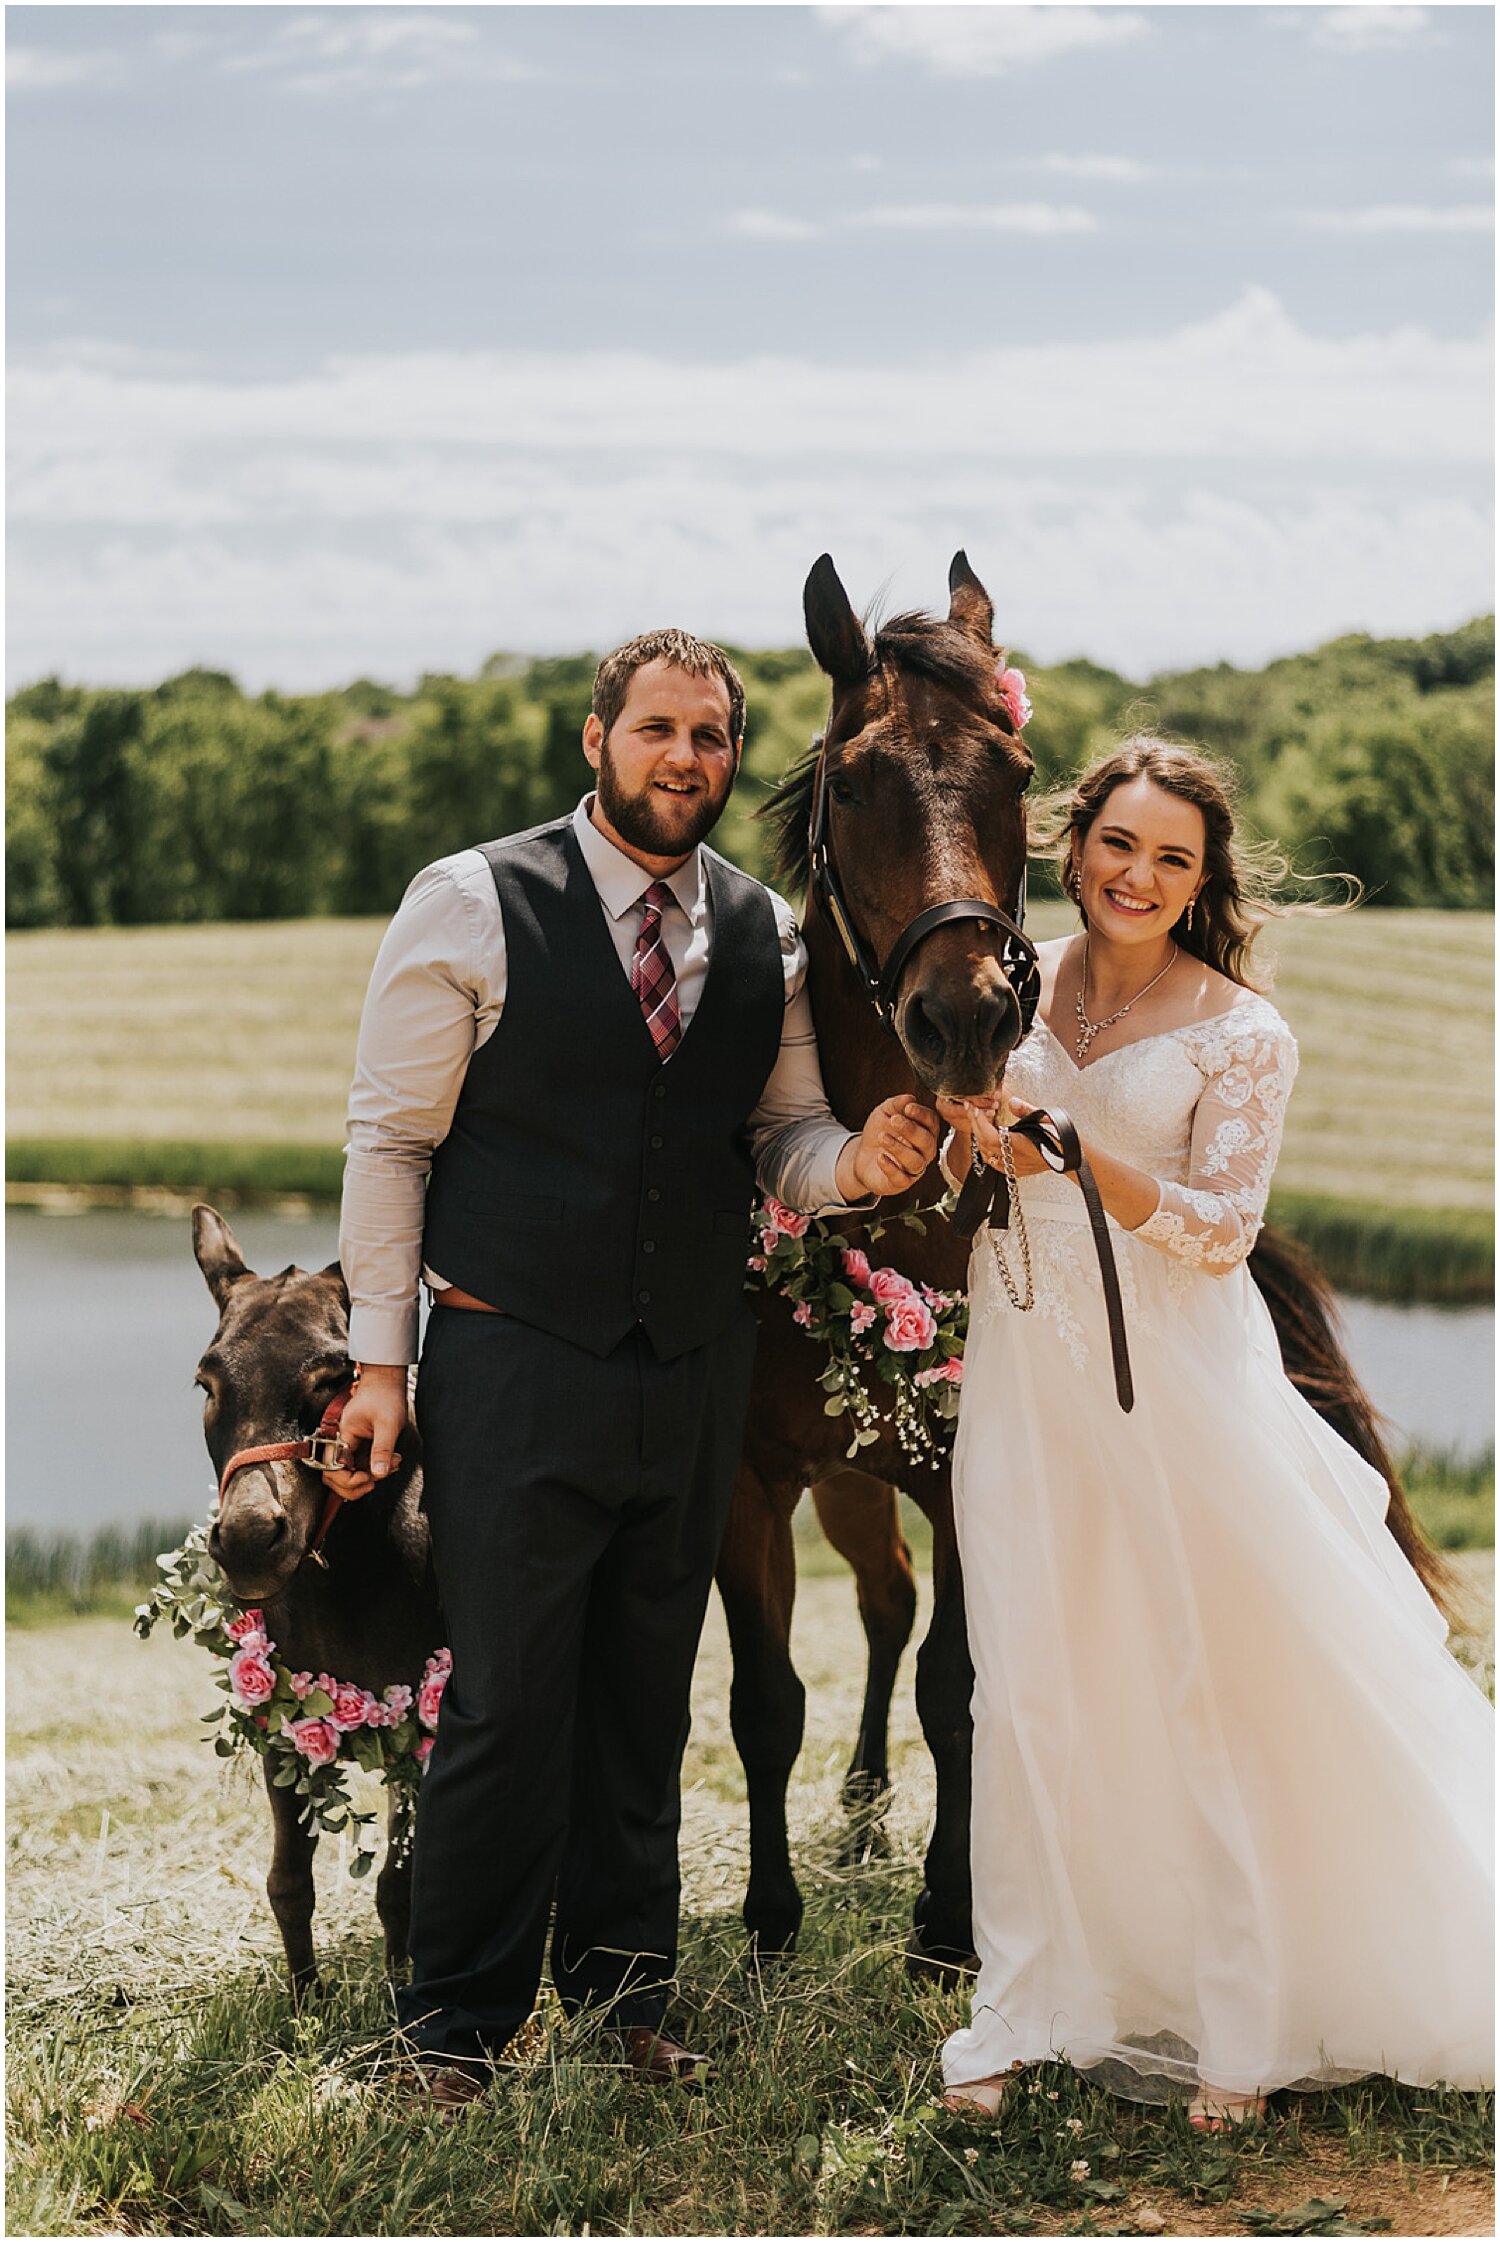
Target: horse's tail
<point>1304,1312</point>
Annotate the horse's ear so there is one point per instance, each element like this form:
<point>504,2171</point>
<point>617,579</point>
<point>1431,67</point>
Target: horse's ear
<point>971,607</point>
<point>834,632</point>
<point>217,1250</point>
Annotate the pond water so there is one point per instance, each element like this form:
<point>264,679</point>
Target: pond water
<point>108,1316</point>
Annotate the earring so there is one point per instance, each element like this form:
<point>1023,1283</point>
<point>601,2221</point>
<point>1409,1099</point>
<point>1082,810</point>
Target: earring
<point>1190,914</point>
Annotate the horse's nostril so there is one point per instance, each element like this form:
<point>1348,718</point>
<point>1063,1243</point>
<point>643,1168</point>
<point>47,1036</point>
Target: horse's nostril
<point>923,1026</point>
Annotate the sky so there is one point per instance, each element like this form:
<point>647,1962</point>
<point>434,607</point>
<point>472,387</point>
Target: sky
<point>362,341</point>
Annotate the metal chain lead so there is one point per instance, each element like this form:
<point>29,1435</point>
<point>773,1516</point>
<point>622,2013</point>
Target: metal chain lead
<point>1008,1168</point>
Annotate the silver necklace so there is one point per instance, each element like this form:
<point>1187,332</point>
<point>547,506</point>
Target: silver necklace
<point>1087,1028</point>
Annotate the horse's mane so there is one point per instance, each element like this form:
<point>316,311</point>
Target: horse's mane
<point>920,644</point>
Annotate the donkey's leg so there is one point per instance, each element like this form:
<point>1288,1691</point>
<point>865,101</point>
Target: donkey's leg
<point>393,1885</point>
<point>942,1939</point>
<point>757,1576</point>
<point>860,1518</point>
<point>289,1886</point>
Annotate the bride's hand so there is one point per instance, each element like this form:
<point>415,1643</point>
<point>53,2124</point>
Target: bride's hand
<point>1025,1158</point>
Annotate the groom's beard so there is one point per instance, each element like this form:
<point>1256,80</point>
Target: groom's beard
<point>647,825</point>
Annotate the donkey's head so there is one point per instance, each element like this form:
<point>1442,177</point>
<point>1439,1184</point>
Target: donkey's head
<point>924,772</point>
<point>279,1356</point>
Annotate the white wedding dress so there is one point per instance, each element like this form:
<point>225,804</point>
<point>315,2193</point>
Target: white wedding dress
<point>1232,1813</point>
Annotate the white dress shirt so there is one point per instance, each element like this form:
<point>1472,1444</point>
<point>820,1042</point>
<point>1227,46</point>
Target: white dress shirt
<point>435,995</point>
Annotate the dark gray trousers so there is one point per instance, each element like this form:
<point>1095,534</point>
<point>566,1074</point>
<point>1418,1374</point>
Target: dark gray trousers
<point>576,1509</point>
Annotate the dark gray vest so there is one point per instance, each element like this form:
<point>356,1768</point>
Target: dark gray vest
<point>584,1187</point>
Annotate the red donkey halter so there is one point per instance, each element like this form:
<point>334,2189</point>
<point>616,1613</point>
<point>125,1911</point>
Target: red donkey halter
<point>320,1451</point>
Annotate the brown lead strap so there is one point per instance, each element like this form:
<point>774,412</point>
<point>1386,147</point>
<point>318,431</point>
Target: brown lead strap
<point>985,1197</point>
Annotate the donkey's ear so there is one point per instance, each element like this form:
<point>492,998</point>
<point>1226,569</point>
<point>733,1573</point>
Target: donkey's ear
<point>834,631</point>
<point>218,1252</point>
<point>971,607</point>
<point>334,1269</point>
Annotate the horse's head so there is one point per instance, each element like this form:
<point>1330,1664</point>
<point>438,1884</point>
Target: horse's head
<point>923,777</point>
<point>279,1356</point>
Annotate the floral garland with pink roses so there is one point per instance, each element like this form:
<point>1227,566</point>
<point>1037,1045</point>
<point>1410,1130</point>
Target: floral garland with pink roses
<point>311,1727</point>
<point>877,1325</point>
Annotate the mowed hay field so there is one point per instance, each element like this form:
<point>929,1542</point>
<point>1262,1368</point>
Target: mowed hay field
<point>245,1035</point>
<point>159,2082</point>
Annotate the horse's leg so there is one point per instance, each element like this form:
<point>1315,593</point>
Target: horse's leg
<point>393,1885</point>
<point>942,1939</point>
<point>859,1516</point>
<point>757,1576</point>
<point>289,1886</point>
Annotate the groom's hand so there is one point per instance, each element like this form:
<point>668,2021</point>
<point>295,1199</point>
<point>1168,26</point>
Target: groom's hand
<point>375,1412</point>
<point>896,1146</point>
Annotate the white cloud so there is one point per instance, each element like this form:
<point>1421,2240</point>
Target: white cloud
<point>987,41</point>
<point>770,225</point>
<point>1118,171</point>
<point>1471,167</point>
<point>1403,218</point>
<point>38,69</point>
<point>1356,30</point>
<point>372,50</point>
<point>1036,218</point>
<point>1232,488</point>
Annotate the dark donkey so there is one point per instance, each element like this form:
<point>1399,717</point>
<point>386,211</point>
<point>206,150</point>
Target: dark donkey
<point>923,780</point>
<point>278,1357</point>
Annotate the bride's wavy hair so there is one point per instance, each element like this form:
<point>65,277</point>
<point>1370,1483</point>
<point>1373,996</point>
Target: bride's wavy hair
<point>1245,882</point>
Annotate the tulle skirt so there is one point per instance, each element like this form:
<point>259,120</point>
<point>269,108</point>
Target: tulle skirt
<point>1232,1818</point>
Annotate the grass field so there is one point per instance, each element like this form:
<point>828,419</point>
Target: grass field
<point>245,1035</point>
<point>160,2084</point>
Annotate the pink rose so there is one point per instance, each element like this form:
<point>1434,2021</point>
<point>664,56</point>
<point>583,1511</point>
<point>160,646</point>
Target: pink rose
<point>802,1313</point>
<point>316,1740</point>
<point>782,1218</point>
<point>1012,684</point>
<point>856,1265</point>
<point>770,1237</point>
<point>351,1706</point>
<point>434,1681</point>
<point>250,1678</point>
<point>888,1285</point>
<point>423,1750</point>
<point>249,1623</point>
<point>910,1326</point>
<point>861,1316</point>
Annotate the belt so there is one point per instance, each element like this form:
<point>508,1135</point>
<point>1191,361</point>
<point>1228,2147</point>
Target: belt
<point>985,1197</point>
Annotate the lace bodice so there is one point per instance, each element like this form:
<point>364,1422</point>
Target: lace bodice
<point>1200,1108</point>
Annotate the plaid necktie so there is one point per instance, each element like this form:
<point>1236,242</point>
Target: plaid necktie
<point>652,977</point>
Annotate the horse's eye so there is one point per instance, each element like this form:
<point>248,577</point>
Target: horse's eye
<point>841,790</point>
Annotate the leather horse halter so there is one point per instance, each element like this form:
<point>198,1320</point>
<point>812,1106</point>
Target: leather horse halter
<point>986,1194</point>
<point>320,1451</point>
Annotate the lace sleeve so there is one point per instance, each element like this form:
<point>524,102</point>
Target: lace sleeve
<point>1249,1064</point>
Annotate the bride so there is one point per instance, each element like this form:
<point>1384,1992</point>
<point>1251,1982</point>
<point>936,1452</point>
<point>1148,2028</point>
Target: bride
<point>1232,1817</point>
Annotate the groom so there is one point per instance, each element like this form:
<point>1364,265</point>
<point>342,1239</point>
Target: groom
<point>581,1049</point>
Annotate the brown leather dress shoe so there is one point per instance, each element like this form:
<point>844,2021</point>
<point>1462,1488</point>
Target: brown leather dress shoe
<point>447,2088</point>
<point>653,2056</point>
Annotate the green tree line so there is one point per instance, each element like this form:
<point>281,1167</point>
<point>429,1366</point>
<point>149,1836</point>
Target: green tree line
<point>195,801</point>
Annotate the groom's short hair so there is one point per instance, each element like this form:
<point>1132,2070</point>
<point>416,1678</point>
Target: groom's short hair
<point>683,651</point>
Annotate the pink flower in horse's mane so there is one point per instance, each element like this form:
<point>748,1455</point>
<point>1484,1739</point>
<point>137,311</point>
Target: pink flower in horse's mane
<point>782,1218</point>
<point>910,1326</point>
<point>803,1314</point>
<point>250,1678</point>
<point>302,1685</point>
<point>423,1750</point>
<point>856,1265</point>
<point>1012,683</point>
<point>861,1316</point>
<point>351,1706</point>
<point>316,1740</point>
<point>247,1624</point>
<point>889,1286</point>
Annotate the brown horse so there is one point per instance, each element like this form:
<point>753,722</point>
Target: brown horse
<point>278,1357</point>
<point>924,780</point>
